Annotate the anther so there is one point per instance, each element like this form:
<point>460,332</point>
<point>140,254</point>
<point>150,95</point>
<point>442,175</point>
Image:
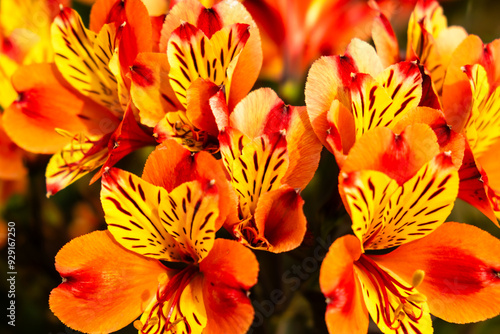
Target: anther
<point>138,325</point>
<point>417,298</point>
<point>418,277</point>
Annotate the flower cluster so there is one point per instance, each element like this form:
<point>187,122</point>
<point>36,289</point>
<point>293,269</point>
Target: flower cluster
<point>410,132</point>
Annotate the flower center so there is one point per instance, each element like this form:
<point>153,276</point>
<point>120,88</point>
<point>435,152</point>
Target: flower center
<point>396,300</point>
<point>165,313</point>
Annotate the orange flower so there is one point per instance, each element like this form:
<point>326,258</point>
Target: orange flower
<point>173,219</point>
<point>270,153</point>
<point>89,81</point>
<point>201,48</point>
<point>399,264</point>
<point>295,33</point>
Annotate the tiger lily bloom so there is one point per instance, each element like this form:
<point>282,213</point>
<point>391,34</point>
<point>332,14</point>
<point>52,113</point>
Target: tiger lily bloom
<point>201,48</point>
<point>403,263</point>
<point>89,79</point>
<point>270,153</point>
<point>177,274</point>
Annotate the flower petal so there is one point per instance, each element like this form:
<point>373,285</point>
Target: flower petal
<point>399,156</point>
<point>346,311</point>
<point>461,264</point>
<point>280,220</point>
<point>150,88</point>
<point>171,165</point>
<point>105,287</point>
<point>131,208</point>
<point>81,63</point>
<point>32,119</point>
<point>225,290</point>
<point>420,205</point>
<point>189,216</point>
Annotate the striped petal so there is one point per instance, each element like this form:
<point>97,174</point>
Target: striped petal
<point>192,55</point>
<point>390,300</point>
<point>259,169</point>
<point>150,88</point>
<point>419,206</point>
<point>171,165</point>
<point>131,208</point>
<point>83,61</point>
<point>483,127</point>
<point>367,194</point>
<point>82,155</point>
<point>189,216</point>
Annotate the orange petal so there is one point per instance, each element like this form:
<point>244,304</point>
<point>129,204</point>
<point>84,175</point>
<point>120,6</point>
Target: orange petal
<point>328,79</point>
<point>385,40</point>
<point>198,108</point>
<point>304,149</point>
<point>225,290</point>
<point>461,264</point>
<point>346,311</point>
<point>456,90</point>
<point>128,137</point>
<point>170,165</point>
<point>32,119</point>
<point>150,88</point>
<point>105,287</point>
<point>365,57</point>
<point>448,140</point>
<point>398,156</point>
<point>472,187</point>
<point>280,220</point>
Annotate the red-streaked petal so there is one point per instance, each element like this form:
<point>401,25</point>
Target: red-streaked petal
<point>150,88</point>
<point>171,165</point>
<point>131,208</point>
<point>259,169</point>
<point>328,79</point>
<point>260,112</point>
<point>398,155</point>
<point>419,206</point>
<point>81,156</point>
<point>31,120</point>
<point>225,290</point>
<point>189,216</point>
<point>105,287</point>
<point>346,311</point>
<point>81,62</point>
<point>461,264</point>
<point>280,220</point>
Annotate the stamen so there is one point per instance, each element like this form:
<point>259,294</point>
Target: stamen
<point>418,277</point>
<point>406,296</point>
